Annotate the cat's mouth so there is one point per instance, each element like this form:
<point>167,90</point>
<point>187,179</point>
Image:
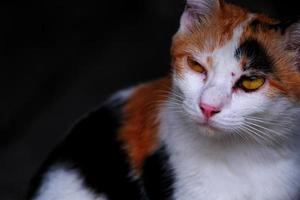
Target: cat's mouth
<point>208,126</point>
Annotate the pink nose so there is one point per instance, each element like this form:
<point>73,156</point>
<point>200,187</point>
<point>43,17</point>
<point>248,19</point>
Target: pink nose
<point>209,110</point>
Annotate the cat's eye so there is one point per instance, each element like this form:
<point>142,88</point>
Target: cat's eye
<point>251,83</point>
<point>194,65</point>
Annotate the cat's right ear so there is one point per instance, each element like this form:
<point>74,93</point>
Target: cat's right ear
<point>292,34</point>
<point>197,11</point>
<point>292,78</point>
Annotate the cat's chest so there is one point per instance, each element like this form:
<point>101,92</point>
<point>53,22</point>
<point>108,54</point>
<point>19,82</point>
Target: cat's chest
<point>206,179</point>
<point>208,173</point>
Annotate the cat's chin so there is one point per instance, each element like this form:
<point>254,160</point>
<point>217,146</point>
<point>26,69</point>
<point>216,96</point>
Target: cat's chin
<point>211,130</point>
<point>208,130</point>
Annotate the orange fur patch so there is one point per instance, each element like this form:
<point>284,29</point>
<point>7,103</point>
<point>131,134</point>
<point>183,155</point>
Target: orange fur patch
<point>277,85</point>
<point>290,81</point>
<point>209,61</point>
<point>139,133</point>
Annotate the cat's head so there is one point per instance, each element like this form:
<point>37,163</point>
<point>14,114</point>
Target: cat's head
<point>236,71</point>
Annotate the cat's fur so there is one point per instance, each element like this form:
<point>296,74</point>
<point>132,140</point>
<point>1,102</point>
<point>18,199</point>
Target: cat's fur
<point>155,141</point>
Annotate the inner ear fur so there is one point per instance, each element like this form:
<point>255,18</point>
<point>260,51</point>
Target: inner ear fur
<point>292,35</point>
<point>197,11</point>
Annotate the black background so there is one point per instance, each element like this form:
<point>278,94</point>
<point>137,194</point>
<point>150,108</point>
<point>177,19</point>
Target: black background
<point>60,58</point>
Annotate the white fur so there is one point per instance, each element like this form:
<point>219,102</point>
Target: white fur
<point>122,95</point>
<point>61,183</point>
<point>242,159</point>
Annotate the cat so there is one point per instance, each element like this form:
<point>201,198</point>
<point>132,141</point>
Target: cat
<point>222,126</point>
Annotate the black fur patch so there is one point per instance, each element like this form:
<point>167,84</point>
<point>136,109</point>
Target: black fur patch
<point>257,54</point>
<point>257,24</point>
<point>158,176</point>
<point>92,149</point>
<point>282,26</point>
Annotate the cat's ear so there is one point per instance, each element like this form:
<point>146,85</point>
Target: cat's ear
<point>292,38</point>
<point>292,34</point>
<point>197,11</point>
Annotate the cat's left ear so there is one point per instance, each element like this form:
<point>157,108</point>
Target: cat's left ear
<point>197,11</point>
<point>292,34</point>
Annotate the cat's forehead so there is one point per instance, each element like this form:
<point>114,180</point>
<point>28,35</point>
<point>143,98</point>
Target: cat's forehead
<point>249,46</point>
<point>252,40</point>
<point>216,30</point>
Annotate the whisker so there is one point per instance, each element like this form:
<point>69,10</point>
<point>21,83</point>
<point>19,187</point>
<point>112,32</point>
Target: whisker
<point>262,121</point>
<point>267,129</point>
<point>262,118</point>
<point>241,135</point>
<point>257,137</point>
<point>263,134</point>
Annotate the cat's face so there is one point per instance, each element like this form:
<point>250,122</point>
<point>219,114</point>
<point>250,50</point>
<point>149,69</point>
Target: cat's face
<point>236,72</point>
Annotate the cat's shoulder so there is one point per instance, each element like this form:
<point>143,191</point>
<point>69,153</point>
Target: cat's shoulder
<point>89,159</point>
<point>104,148</point>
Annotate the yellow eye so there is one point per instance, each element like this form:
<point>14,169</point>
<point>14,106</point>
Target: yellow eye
<point>194,65</point>
<point>252,83</point>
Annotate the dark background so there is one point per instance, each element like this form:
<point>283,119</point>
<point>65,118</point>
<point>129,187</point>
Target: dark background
<point>60,58</point>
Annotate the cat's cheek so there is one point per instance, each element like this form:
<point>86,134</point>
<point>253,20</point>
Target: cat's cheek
<point>274,90</point>
<point>190,84</point>
<point>272,93</point>
<point>243,104</point>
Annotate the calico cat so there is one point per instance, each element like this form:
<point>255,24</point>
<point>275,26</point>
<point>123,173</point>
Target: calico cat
<point>222,126</point>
